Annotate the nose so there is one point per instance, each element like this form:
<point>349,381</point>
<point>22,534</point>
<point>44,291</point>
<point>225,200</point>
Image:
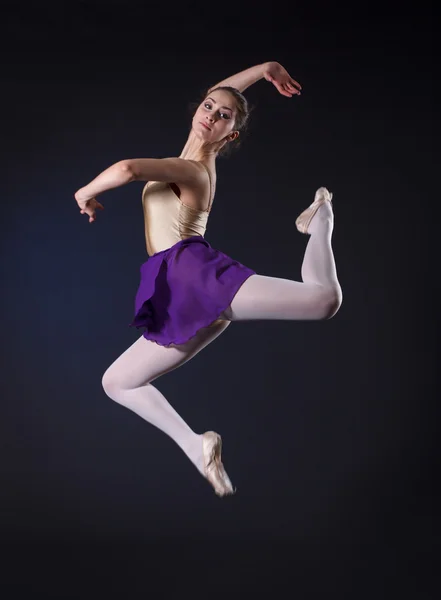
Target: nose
<point>210,118</point>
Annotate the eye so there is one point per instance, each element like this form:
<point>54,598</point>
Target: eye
<point>225,116</point>
<point>207,105</point>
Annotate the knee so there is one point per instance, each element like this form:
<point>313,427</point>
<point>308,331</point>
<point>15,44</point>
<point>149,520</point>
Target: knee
<point>327,301</point>
<point>112,384</point>
<point>332,300</point>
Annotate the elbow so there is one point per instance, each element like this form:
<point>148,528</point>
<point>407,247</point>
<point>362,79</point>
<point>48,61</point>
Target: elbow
<point>128,170</point>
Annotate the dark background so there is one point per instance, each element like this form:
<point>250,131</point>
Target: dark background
<point>330,428</point>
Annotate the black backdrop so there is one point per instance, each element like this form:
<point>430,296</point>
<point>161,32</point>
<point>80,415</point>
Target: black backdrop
<point>330,429</point>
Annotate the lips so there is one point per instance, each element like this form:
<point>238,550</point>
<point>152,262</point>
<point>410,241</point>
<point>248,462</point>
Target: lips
<point>206,126</point>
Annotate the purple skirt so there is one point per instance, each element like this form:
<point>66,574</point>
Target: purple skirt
<point>185,288</point>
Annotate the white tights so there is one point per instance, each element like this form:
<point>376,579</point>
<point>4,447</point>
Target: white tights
<point>128,379</point>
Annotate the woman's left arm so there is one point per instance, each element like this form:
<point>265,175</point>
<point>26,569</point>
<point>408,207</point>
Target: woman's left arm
<point>271,71</point>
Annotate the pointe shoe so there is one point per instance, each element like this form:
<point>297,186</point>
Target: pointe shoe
<point>213,468</point>
<point>303,221</point>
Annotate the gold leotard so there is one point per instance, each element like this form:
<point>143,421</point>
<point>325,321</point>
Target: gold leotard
<point>167,220</point>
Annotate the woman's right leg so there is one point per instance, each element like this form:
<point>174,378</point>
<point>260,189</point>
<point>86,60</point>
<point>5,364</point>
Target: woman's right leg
<point>128,382</point>
<point>318,297</point>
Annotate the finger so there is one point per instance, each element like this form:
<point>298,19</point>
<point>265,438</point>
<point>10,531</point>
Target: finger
<point>295,84</point>
<point>100,206</point>
<point>292,89</point>
<point>282,90</point>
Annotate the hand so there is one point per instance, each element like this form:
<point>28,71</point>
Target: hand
<point>89,207</point>
<point>280,78</point>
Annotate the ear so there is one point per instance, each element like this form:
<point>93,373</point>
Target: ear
<point>233,136</point>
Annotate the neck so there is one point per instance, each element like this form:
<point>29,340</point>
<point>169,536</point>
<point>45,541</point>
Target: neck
<point>196,149</point>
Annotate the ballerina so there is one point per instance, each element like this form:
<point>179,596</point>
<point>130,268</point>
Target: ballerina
<point>189,292</point>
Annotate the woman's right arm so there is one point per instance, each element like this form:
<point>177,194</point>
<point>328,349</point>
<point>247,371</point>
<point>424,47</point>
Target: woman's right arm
<point>176,170</point>
<point>114,176</point>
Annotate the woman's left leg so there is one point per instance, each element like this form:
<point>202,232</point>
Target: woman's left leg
<point>318,297</point>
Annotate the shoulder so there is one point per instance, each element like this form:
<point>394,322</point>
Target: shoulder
<point>177,170</point>
<point>186,171</point>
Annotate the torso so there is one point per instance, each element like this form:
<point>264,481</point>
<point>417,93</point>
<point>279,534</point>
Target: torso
<point>173,213</point>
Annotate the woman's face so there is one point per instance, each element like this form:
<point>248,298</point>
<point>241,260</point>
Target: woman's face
<point>214,119</point>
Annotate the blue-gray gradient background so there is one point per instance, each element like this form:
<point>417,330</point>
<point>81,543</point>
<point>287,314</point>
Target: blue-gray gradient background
<point>329,428</point>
